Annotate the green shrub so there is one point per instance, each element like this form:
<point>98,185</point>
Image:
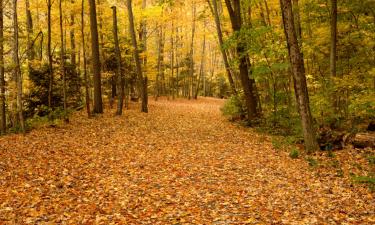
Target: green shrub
<point>294,153</point>
<point>233,108</point>
<point>312,162</point>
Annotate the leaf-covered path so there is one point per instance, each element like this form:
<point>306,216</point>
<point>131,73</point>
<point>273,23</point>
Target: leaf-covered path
<point>182,163</point>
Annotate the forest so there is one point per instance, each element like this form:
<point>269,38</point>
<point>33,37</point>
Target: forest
<point>187,112</point>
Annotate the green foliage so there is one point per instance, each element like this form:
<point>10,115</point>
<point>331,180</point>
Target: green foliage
<point>312,162</point>
<point>294,153</point>
<point>233,108</point>
<point>371,159</point>
<point>369,180</point>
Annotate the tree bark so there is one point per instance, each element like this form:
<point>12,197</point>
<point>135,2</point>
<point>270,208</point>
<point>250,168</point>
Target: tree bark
<point>62,58</point>
<point>29,26</point>
<point>191,54</point>
<point>87,91</point>
<point>98,102</point>
<point>2,78</point>
<point>215,13</point>
<point>333,52</point>
<point>119,75</point>
<point>16,70</point>
<point>297,64</point>
<point>49,52</point>
<point>201,69</point>
<point>72,39</point>
<point>247,83</point>
<point>141,81</point>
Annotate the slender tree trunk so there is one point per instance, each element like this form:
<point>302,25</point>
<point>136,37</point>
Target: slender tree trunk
<point>173,80</point>
<point>297,64</point>
<point>201,69</point>
<point>143,44</point>
<point>141,81</point>
<point>49,52</point>
<point>87,91</point>
<point>119,75</point>
<point>98,102</point>
<point>29,26</point>
<point>221,43</point>
<point>2,78</point>
<point>16,70</point>
<point>62,58</point>
<point>333,55</point>
<point>191,54</point>
<point>247,83</point>
<point>159,77</point>
<point>72,39</point>
<point>297,19</point>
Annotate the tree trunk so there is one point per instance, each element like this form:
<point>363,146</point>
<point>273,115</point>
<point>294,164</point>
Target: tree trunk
<point>297,64</point>
<point>16,70</point>
<point>333,52</point>
<point>72,40</point>
<point>62,58</point>
<point>119,75</point>
<point>141,81</point>
<point>49,52</point>
<point>191,54</point>
<point>297,23</point>
<point>201,69</point>
<point>247,83</point>
<point>29,26</point>
<point>2,78</point>
<point>221,43</point>
<point>87,91</point>
<point>98,102</point>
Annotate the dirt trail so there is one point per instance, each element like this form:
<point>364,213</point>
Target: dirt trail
<point>182,163</point>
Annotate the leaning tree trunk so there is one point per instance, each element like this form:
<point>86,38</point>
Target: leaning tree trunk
<point>248,84</point>
<point>2,78</point>
<point>119,75</point>
<point>16,70</point>
<point>87,91</point>
<point>98,102</point>
<point>297,64</point>
<point>141,82</point>
<point>221,43</point>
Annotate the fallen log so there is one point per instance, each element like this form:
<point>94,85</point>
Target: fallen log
<point>363,140</point>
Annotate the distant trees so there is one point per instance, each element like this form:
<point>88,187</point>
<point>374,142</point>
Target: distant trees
<point>172,48</point>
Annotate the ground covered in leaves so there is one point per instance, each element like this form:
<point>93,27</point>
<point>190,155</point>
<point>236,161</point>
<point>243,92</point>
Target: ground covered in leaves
<point>182,163</point>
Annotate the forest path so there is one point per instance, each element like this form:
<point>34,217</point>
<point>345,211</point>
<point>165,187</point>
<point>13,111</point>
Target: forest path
<point>182,163</point>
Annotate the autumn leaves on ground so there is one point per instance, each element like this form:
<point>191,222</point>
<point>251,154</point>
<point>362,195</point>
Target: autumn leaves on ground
<point>182,163</point>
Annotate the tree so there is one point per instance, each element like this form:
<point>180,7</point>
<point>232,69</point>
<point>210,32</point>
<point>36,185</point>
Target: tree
<point>141,82</point>
<point>333,52</point>
<point>49,53</point>
<point>215,13</point>
<point>2,78</point>
<point>98,102</point>
<point>87,91</point>
<point>62,58</point>
<point>297,64</point>
<point>119,74</point>
<point>248,84</point>
<point>16,70</point>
